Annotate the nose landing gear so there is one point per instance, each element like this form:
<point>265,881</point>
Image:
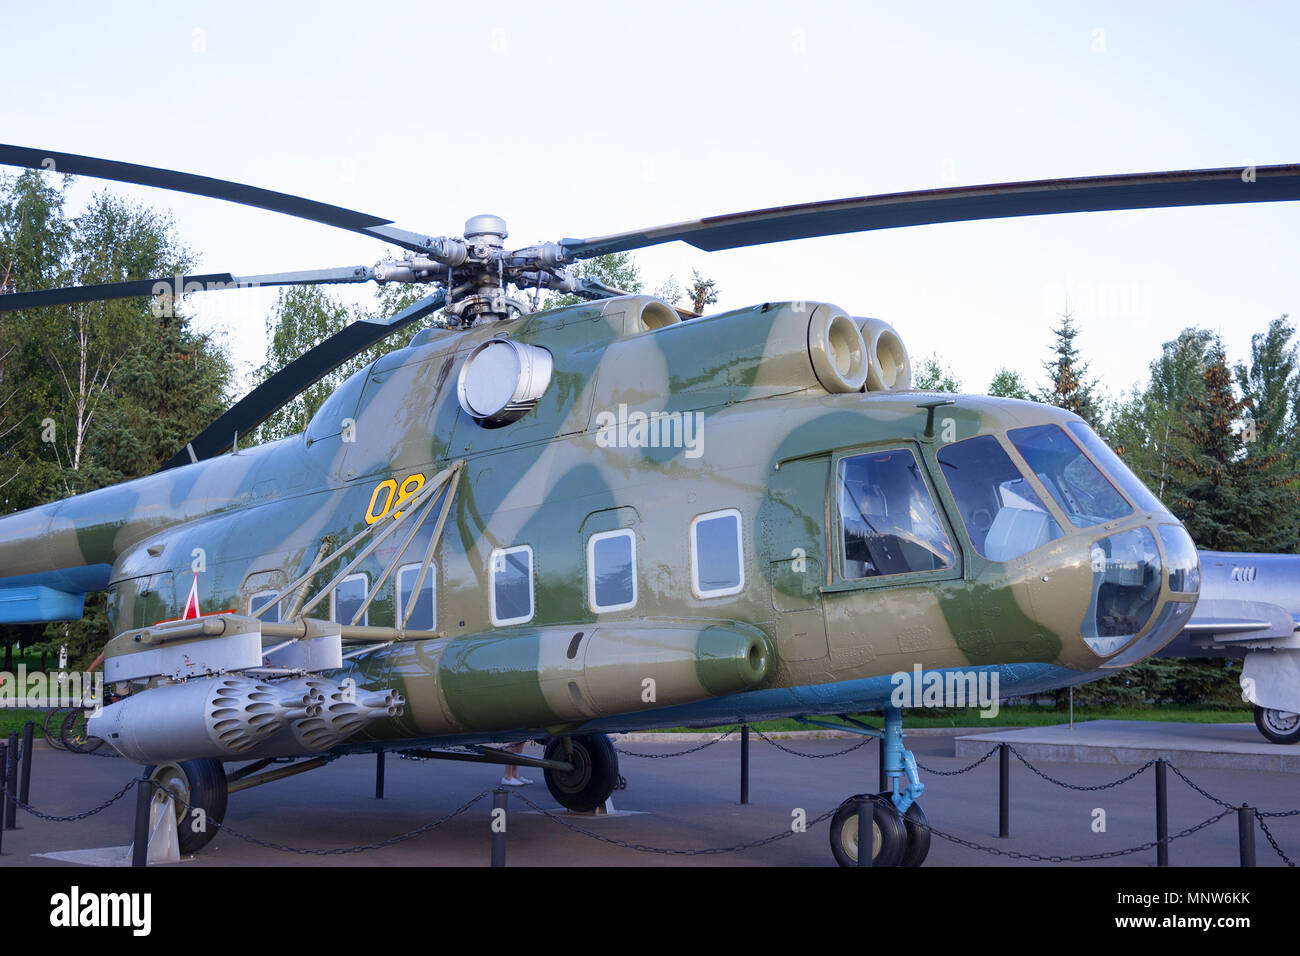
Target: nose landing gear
<point>900,832</point>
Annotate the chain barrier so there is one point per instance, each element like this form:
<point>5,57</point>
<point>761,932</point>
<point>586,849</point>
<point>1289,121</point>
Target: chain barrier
<point>673,851</point>
<point>679,753</point>
<point>953,773</point>
<point>28,808</point>
<point>1074,857</point>
<point>1227,809</point>
<point>1259,818</point>
<point>1070,786</point>
<point>799,753</point>
<point>334,851</point>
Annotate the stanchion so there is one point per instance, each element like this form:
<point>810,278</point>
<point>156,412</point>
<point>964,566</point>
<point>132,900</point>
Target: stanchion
<point>744,763</point>
<point>25,788</point>
<point>499,798</point>
<point>1246,834</point>
<point>1004,791</point>
<point>11,775</point>
<point>4,781</point>
<point>866,847</point>
<point>1162,814</point>
<point>140,844</point>
<point>379,775</point>
<point>884,781</point>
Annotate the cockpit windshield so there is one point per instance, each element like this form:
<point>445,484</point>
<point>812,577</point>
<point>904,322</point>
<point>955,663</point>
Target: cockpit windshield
<point>1070,477</point>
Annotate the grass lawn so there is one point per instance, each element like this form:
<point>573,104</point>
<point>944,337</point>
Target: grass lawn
<point>13,718</point>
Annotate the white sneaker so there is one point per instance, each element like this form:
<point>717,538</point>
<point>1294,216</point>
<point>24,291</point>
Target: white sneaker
<point>523,779</point>
<point>515,782</point>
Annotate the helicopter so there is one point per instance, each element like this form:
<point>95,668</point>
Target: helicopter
<point>556,525</point>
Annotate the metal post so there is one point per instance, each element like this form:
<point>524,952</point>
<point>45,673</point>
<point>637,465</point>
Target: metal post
<point>1246,834</point>
<point>25,788</point>
<point>866,841</point>
<point>499,798</point>
<point>11,775</point>
<point>1004,791</point>
<point>1071,706</point>
<point>140,844</point>
<point>1162,814</point>
<point>884,781</point>
<point>379,775</point>
<point>744,763</point>
<point>4,782</point>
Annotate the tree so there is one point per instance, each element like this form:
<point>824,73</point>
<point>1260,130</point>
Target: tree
<point>701,292</point>
<point>1268,387</point>
<point>1229,497</point>
<point>1008,384</point>
<point>1068,386</point>
<point>933,376</point>
<point>1147,427</point>
<point>616,269</point>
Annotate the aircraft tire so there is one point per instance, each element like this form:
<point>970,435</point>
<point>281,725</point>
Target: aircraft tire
<point>594,775</point>
<point>196,784</point>
<point>889,835</point>
<point>918,834</point>
<point>1278,726</point>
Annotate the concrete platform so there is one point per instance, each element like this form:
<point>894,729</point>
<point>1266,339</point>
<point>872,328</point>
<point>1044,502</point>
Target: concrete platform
<point>1217,746</point>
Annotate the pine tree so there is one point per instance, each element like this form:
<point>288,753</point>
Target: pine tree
<point>1068,385</point>
<point>1229,498</point>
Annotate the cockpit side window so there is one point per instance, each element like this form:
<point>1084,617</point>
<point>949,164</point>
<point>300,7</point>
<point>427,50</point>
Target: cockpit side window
<point>889,523</point>
<point>1003,515</point>
<point>1070,477</point>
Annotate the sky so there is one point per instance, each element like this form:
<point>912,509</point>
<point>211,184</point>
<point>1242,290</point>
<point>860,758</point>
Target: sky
<point>582,119</point>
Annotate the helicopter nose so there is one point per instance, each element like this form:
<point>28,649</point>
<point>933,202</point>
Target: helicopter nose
<point>1145,582</point>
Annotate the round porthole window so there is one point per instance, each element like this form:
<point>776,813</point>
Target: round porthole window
<point>501,380</point>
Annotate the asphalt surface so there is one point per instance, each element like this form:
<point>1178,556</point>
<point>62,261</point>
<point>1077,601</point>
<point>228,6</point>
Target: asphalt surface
<point>688,802</point>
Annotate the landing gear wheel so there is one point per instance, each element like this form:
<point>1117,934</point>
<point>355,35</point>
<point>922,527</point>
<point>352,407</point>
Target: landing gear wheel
<point>1278,726</point>
<point>196,785</point>
<point>918,834</point>
<point>594,775</point>
<point>888,834</point>
<point>72,733</point>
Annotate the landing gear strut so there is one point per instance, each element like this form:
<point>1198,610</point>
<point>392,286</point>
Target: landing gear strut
<point>900,835</point>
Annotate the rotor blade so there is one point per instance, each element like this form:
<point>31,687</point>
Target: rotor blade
<point>300,374</point>
<point>215,189</point>
<point>176,286</point>
<point>1196,187</point>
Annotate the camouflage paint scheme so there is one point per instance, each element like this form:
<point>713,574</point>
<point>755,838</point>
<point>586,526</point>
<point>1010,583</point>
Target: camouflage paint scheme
<point>772,435</point>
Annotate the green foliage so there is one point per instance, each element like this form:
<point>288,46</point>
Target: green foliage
<point>1268,388</point>
<point>1068,385</point>
<point>617,269</point>
<point>99,392</point>
<point>1164,680</point>
<point>1008,384</point>
<point>1231,494</point>
<point>701,292</point>
<point>931,375</point>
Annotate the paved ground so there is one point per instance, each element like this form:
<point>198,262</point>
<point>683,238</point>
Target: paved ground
<point>690,801</point>
<point>1223,746</point>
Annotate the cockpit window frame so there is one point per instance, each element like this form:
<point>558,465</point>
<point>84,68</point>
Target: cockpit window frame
<point>942,507</point>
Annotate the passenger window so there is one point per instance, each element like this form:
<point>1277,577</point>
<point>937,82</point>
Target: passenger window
<point>425,615</point>
<point>1001,512</point>
<point>1069,476</point>
<point>260,600</point>
<point>888,519</point>
<point>347,599</point>
<point>611,570</point>
<point>717,567</point>
<point>511,589</point>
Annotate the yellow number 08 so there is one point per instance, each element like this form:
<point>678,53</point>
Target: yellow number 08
<point>389,491</point>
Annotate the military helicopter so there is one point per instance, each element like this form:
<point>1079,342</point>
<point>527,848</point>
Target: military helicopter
<point>561,524</point>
